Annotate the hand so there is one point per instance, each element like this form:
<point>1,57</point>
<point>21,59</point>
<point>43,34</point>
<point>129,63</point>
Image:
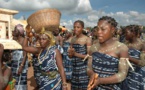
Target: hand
<point>64,88</point>
<point>71,51</point>
<point>28,30</point>
<point>20,70</point>
<point>94,81</point>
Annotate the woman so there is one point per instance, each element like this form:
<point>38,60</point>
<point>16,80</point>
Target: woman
<point>19,64</point>
<point>52,76</point>
<point>80,45</point>
<point>136,49</point>
<point>94,35</point>
<point>108,66</point>
<point>67,62</point>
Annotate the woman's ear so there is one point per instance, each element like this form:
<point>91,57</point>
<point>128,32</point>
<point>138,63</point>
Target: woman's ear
<point>113,30</point>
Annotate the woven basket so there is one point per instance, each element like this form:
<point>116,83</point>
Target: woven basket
<point>48,18</point>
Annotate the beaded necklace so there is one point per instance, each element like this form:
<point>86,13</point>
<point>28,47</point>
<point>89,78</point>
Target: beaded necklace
<point>40,61</point>
<point>134,45</point>
<point>107,50</point>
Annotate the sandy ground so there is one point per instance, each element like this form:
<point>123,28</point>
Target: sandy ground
<point>30,79</point>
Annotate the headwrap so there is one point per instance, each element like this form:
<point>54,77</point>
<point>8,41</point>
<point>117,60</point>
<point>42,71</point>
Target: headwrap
<point>20,28</point>
<point>49,34</point>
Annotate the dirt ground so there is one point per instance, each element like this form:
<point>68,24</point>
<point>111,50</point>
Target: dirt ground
<point>30,79</point>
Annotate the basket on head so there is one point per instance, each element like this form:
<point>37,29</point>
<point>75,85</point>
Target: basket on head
<point>47,18</point>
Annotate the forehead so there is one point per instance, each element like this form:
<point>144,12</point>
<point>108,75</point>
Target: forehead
<point>43,35</point>
<point>77,23</point>
<point>103,23</point>
<point>127,30</point>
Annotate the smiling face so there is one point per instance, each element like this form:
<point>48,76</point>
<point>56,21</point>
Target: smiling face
<point>44,40</point>
<point>78,28</point>
<point>104,31</point>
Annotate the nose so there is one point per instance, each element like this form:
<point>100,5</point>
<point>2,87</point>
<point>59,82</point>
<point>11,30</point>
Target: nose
<point>98,31</point>
<point>41,40</point>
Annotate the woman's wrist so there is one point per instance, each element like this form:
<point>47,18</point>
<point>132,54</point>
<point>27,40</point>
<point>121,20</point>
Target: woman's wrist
<point>99,81</point>
<point>22,65</point>
<point>64,85</point>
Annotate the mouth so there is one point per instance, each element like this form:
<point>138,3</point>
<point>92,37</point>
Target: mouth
<point>100,37</point>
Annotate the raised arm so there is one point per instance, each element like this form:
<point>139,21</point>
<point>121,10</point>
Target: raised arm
<point>29,49</point>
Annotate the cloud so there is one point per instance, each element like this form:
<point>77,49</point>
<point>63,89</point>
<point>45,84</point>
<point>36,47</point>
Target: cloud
<point>67,6</point>
<point>74,10</point>
<point>123,18</point>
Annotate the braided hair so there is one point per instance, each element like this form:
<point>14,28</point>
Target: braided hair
<point>133,28</point>
<point>81,22</point>
<point>110,20</point>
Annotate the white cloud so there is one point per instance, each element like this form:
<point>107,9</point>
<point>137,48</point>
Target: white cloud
<point>123,18</point>
<point>74,10</point>
<point>67,6</point>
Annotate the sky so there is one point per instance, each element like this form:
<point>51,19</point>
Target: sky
<point>125,12</point>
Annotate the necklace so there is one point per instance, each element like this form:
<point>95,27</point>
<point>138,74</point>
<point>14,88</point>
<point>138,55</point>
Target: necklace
<point>107,50</point>
<point>135,45</point>
<point>40,61</point>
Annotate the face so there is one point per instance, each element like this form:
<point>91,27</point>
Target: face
<point>56,32</point>
<point>6,55</point>
<point>15,33</point>
<point>78,28</point>
<point>128,34</point>
<point>94,33</point>
<point>44,40</point>
<point>67,34</point>
<point>104,31</point>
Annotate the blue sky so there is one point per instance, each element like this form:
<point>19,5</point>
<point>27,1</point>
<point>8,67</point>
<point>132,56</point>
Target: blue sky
<point>119,5</point>
<point>124,11</point>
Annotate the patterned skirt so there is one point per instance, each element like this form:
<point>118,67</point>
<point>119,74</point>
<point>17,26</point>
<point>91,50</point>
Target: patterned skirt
<point>21,80</point>
<point>80,78</point>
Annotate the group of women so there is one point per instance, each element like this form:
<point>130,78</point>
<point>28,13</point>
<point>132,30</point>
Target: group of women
<point>107,64</point>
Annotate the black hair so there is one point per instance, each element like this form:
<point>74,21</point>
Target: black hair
<point>6,55</point>
<point>133,28</point>
<point>81,22</point>
<point>110,20</point>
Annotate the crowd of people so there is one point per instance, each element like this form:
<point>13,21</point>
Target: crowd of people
<point>104,58</point>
